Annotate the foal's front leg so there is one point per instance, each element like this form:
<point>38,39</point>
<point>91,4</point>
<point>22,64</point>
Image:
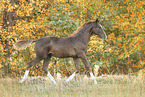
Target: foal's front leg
<point>88,67</point>
<point>76,62</point>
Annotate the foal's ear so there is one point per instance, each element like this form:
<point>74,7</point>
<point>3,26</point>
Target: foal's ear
<point>97,21</point>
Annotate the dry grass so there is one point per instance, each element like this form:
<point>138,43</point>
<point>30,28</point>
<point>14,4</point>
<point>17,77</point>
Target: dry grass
<point>80,86</point>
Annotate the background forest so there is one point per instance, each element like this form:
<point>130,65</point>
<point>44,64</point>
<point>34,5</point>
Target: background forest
<point>123,21</point>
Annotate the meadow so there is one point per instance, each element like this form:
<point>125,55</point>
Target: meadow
<point>80,86</point>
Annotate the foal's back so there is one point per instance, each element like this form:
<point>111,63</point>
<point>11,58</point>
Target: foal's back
<point>58,47</point>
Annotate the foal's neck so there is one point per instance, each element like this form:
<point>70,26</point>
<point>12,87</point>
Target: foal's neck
<point>84,34</point>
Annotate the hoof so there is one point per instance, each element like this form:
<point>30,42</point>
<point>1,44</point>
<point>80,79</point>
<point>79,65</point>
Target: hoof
<point>19,82</point>
<point>95,83</point>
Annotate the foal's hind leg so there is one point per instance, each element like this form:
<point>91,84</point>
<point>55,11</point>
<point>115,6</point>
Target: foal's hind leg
<point>45,67</point>
<point>46,62</point>
<point>30,64</point>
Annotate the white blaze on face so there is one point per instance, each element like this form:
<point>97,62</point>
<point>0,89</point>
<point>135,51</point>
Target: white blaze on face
<point>101,26</point>
<point>103,31</point>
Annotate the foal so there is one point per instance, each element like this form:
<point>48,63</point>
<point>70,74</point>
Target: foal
<point>74,46</point>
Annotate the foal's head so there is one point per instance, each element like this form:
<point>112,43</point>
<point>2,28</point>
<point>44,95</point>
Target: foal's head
<point>98,30</point>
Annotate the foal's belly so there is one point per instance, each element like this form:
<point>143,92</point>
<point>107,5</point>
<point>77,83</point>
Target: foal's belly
<point>63,53</point>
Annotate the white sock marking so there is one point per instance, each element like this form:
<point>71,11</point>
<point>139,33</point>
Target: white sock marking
<point>93,77</point>
<point>71,77</point>
<point>25,76</point>
<point>51,77</point>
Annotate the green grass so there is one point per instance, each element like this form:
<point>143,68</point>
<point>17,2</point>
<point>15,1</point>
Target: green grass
<point>108,86</point>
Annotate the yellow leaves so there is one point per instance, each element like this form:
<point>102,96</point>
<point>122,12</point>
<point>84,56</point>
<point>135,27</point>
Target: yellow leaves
<point>33,73</point>
<point>127,32</point>
<point>84,11</point>
<point>1,65</point>
<point>125,24</point>
<point>112,37</point>
<point>142,63</point>
<point>125,1</point>
<point>119,39</point>
<point>98,12</point>
<point>65,32</point>
<point>117,17</point>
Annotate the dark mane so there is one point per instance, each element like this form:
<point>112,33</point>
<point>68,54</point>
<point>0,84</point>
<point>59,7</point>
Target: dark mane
<point>82,26</point>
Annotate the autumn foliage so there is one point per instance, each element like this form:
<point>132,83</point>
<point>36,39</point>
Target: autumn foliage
<point>122,20</point>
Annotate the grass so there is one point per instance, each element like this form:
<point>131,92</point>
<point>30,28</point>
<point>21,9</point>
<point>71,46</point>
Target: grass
<point>108,86</point>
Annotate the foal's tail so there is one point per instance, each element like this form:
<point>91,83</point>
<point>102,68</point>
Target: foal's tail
<point>22,44</point>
